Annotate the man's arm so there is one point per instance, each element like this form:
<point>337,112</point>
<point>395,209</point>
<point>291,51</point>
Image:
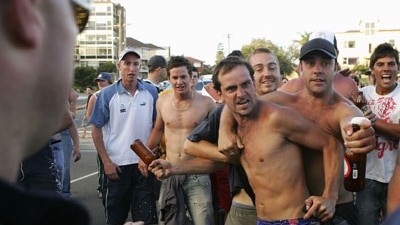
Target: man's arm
<point>90,106</point>
<point>394,190</point>
<point>306,133</point>
<point>163,169</point>
<point>110,168</point>
<point>76,153</point>
<point>73,97</point>
<point>228,140</point>
<point>391,129</point>
<point>66,121</point>
<point>207,150</point>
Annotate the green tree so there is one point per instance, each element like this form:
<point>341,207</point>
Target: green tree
<point>84,76</point>
<point>285,59</point>
<point>220,56</point>
<point>304,37</point>
<point>107,67</point>
<point>360,68</point>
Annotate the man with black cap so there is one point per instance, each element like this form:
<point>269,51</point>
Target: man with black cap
<point>123,112</point>
<point>320,103</point>
<point>341,82</point>
<point>157,71</point>
<point>330,111</point>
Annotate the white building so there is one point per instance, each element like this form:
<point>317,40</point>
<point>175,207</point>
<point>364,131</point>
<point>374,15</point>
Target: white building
<point>356,46</point>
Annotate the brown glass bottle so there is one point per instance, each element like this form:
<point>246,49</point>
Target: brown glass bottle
<point>354,177</point>
<point>144,153</point>
<point>360,102</point>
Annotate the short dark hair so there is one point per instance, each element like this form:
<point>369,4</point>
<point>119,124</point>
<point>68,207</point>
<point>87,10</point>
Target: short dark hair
<point>237,53</point>
<point>178,61</point>
<point>381,51</point>
<point>226,65</point>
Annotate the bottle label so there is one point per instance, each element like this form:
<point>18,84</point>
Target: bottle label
<point>364,108</point>
<point>355,174</point>
<point>347,169</point>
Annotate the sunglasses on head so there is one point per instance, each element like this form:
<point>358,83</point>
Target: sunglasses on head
<point>81,14</point>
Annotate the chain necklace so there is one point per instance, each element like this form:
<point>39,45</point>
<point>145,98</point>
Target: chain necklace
<point>184,108</point>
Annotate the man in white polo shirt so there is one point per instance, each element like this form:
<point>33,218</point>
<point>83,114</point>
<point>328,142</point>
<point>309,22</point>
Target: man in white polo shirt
<point>125,111</point>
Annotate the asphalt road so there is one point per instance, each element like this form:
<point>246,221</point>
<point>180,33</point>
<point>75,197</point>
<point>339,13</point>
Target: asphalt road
<point>84,173</point>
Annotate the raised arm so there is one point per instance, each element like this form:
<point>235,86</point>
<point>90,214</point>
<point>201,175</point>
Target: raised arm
<point>306,133</point>
<point>228,140</point>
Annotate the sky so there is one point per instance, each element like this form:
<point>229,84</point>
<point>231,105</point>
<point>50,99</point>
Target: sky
<point>196,28</point>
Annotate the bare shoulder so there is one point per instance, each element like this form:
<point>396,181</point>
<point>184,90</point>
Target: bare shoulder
<point>294,85</point>
<point>345,85</point>
<point>163,99</point>
<point>205,100</point>
<point>277,112</point>
<point>344,108</point>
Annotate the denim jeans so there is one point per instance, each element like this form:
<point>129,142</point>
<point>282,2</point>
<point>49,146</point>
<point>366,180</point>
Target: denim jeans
<point>371,202</point>
<point>67,148</point>
<point>240,214</point>
<point>57,150</point>
<point>197,188</point>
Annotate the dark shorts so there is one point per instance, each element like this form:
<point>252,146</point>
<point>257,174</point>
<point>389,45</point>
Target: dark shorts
<point>299,221</point>
<point>39,173</point>
<point>132,192</point>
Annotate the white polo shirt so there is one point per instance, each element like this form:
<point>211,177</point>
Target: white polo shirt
<point>124,118</point>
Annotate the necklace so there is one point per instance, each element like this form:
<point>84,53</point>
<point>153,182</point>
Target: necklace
<point>181,109</point>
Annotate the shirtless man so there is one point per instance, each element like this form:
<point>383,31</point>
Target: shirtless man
<point>178,113</point>
<point>284,130</point>
<point>341,82</point>
<point>331,112</point>
<point>203,140</point>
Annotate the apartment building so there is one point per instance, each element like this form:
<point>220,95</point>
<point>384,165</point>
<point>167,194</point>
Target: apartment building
<point>105,37</point>
<point>355,46</point>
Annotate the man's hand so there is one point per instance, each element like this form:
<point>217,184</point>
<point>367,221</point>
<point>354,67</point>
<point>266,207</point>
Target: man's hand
<point>76,153</point>
<point>112,170</point>
<point>320,207</point>
<point>361,141</point>
<point>233,154</point>
<point>229,143</point>
<point>161,168</point>
<point>143,168</point>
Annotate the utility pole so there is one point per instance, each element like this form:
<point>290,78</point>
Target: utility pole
<point>229,44</point>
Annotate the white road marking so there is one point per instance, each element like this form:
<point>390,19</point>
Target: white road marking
<point>84,177</point>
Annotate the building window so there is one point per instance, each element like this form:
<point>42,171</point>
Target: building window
<point>369,28</point>
<point>353,61</point>
<point>392,42</point>
<point>350,44</point>
<point>344,62</point>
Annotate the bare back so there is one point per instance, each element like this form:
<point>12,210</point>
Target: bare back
<point>179,121</point>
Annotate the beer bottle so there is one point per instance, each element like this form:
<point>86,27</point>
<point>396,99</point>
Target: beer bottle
<point>360,102</point>
<point>144,153</point>
<point>354,177</point>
